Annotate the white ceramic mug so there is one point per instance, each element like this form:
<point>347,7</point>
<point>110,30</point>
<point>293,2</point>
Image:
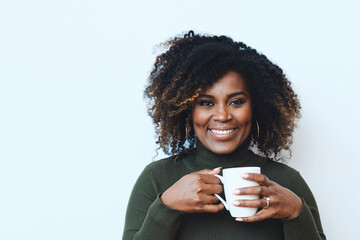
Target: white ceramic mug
<point>231,180</point>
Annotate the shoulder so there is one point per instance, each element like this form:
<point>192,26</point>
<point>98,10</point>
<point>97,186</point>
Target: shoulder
<point>279,166</point>
<point>164,172</point>
<point>165,164</point>
<point>280,172</point>
<point>170,164</point>
<point>269,166</point>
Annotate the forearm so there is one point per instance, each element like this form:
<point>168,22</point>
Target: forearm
<point>160,222</point>
<point>303,226</point>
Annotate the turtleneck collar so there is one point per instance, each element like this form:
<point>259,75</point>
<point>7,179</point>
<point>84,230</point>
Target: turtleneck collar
<point>203,158</point>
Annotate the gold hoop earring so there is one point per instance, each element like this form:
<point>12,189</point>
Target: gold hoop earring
<point>258,128</point>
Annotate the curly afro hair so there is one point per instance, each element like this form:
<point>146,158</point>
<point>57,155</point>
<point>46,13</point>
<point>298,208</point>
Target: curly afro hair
<point>193,63</point>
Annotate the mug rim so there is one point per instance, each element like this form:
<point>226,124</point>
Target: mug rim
<point>235,168</point>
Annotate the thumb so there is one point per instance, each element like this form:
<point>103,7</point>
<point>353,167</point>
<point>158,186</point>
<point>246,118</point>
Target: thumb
<point>212,172</point>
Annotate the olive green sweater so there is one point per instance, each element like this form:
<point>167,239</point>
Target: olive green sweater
<point>148,219</point>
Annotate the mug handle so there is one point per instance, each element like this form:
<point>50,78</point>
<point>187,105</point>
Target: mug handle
<point>220,198</point>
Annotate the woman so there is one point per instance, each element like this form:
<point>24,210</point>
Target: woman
<point>211,99</point>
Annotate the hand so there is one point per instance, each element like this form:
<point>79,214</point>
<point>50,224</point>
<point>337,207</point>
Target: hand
<point>283,202</point>
<point>194,193</point>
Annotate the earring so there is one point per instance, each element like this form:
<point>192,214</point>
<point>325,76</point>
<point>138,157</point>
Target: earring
<point>187,128</point>
<point>258,128</point>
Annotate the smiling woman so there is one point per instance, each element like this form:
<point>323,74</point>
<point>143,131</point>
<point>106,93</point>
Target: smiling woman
<point>211,100</point>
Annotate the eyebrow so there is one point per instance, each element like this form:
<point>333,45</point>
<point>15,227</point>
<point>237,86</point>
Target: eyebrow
<point>228,96</point>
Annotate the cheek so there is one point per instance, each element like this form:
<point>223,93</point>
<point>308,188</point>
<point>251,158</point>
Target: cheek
<point>200,118</point>
<point>200,122</point>
<point>244,117</point>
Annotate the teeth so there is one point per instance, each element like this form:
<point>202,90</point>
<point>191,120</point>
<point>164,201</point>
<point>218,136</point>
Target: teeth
<point>221,131</point>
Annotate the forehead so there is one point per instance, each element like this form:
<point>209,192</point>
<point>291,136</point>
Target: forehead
<point>229,83</point>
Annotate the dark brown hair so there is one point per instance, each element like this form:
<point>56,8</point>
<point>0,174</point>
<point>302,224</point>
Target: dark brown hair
<point>194,62</point>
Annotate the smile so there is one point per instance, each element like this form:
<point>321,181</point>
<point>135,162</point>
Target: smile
<point>222,132</point>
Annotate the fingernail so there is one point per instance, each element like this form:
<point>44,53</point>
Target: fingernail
<point>244,175</point>
<point>215,169</point>
<point>236,191</point>
<point>239,219</point>
<point>236,203</point>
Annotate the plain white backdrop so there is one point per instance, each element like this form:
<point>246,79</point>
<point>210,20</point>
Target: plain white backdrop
<point>74,133</point>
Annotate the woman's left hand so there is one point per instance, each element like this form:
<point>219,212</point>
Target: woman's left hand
<point>283,202</point>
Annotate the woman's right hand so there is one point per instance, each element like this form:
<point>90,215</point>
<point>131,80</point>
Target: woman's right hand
<point>193,193</point>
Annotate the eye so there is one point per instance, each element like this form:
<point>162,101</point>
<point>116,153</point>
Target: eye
<point>205,103</point>
<point>237,102</point>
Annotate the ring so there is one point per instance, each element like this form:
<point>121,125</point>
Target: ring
<point>267,202</point>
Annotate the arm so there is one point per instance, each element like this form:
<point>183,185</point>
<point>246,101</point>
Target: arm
<point>151,215</point>
<point>307,225</point>
<point>146,216</point>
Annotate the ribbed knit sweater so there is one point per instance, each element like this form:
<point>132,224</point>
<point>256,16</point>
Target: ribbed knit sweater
<point>148,219</point>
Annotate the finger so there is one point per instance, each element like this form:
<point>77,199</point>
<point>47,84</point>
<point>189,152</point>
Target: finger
<point>205,199</point>
<point>256,177</point>
<point>257,203</point>
<point>257,190</point>
<point>262,215</point>
<point>212,188</point>
<point>212,208</point>
<point>210,179</point>
<point>215,171</point>
<point>210,171</point>
<point>211,199</point>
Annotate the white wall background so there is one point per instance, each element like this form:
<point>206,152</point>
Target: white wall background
<point>74,134</point>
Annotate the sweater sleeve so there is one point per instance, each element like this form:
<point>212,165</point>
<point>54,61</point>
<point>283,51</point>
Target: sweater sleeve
<point>146,216</point>
<point>307,225</point>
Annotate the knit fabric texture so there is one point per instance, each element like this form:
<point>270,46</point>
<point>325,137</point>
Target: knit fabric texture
<point>148,219</point>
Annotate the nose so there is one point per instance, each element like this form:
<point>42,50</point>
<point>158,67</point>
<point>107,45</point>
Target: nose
<point>222,113</point>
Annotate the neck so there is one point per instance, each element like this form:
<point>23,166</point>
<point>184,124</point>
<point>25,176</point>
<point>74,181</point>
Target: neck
<point>204,158</point>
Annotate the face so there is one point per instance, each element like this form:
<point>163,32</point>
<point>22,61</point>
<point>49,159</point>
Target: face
<point>222,114</point>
